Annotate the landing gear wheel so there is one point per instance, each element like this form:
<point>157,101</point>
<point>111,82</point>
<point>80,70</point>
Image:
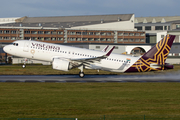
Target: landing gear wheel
<point>23,66</point>
<point>81,74</point>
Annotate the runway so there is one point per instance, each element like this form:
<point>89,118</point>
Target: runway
<point>91,78</point>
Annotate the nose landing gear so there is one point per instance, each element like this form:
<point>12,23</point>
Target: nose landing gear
<point>25,60</point>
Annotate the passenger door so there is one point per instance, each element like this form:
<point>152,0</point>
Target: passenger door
<point>26,47</point>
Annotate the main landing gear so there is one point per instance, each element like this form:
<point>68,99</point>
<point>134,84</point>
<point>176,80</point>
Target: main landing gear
<point>81,73</point>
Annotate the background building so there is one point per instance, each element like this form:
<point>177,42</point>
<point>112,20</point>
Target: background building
<point>130,35</point>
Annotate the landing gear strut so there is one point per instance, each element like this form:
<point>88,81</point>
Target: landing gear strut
<point>25,60</point>
<point>81,73</point>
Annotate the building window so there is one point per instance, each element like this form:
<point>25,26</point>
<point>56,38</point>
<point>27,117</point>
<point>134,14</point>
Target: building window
<point>26,38</point>
<point>125,40</point>
<point>72,33</point>
<point>131,34</point>
<point>33,32</point>
<point>13,32</point>
<point>158,27</point>
<point>177,26</point>
<point>96,39</point>
<point>34,38</point>
<point>13,38</point>
<point>53,32</point>
<point>26,32</point>
<point>91,33</point>
<point>120,34</point>
<point>40,38</point>
<point>103,33</point>
<point>137,34</point>
<point>72,39</point>
<point>53,39</point>
<point>60,33</point>
<point>138,28</point>
<point>6,38</point>
<point>1,32</point>
<point>131,40</point>
<point>46,32</point>
<point>108,33</point>
<point>78,33</point>
<point>103,39</point>
<point>108,39</point>
<point>147,27</point>
<point>47,38</point>
<point>78,39</point>
<point>91,39</point>
<point>60,39</point>
<point>6,31</point>
<point>1,38</point>
<point>168,27</point>
<point>142,34</point>
<point>162,36</point>
<point>97,33</point>
<point>120,40</point>
<point>97,47</point>
<point>84,39</point>
<point>136,40</point>
<point>142,40</point>
<point>84,33</point>
<point>40,32</point>
<point>126,34</point>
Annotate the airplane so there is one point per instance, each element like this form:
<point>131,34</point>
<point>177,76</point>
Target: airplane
<point>65,58</point>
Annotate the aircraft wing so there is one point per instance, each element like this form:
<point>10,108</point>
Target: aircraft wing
<point>85,61</point>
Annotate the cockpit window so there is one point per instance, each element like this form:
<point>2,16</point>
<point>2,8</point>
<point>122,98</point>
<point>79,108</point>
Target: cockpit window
<point>15,44</point>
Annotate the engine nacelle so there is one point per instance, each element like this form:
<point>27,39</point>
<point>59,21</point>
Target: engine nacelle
<point>60,64</point>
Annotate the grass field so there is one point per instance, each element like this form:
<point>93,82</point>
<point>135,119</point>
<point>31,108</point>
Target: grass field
<point>84,100</point>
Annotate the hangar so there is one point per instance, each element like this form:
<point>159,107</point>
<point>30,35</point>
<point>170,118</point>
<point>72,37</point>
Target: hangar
<point>91,32</point>
<point>130,35</point>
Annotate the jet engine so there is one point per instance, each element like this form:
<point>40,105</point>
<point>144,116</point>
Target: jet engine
<point>60,64</point>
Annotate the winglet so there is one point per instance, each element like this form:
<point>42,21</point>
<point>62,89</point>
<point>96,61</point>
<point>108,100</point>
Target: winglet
<point>110,51</point>
<point>104,50</point>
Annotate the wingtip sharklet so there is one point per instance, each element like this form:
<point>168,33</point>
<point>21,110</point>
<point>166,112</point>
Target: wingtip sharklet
<point>110,51</point>
<point>105,49</point>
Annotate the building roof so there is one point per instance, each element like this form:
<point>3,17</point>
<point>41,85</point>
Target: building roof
<point>122,17</point>
<point>159,19</point>
<point>68,21</point>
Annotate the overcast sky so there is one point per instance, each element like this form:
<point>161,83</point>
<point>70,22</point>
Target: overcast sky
<point>42,8</point>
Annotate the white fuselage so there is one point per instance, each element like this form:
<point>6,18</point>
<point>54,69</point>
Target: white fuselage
<point>48,51</point>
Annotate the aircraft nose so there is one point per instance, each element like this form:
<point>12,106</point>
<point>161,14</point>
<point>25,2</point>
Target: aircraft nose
<point>6,49</point>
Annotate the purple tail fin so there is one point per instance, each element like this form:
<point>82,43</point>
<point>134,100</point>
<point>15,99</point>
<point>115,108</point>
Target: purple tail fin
<point>155,58</point>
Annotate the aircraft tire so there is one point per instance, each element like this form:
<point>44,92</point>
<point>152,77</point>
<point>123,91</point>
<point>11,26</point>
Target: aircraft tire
<point>23,66</point>
<point>81,74</point>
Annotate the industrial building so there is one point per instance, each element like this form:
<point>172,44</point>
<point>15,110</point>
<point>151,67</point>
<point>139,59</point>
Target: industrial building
<point>130,35</point>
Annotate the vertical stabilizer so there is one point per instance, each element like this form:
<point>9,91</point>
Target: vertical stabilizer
<point>155,58</point>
